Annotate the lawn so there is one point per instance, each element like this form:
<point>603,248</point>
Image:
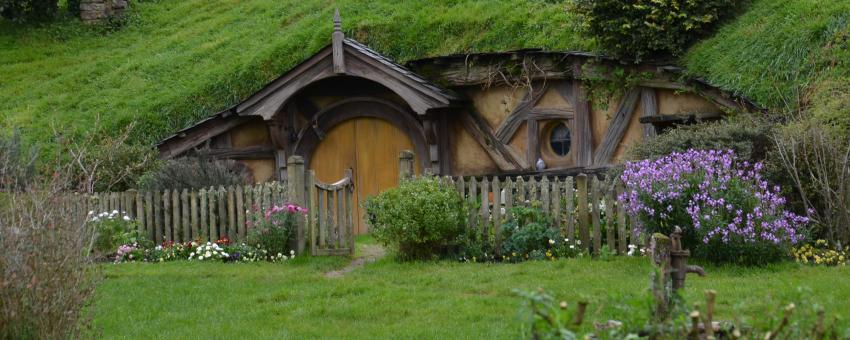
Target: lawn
<point>388,299</point>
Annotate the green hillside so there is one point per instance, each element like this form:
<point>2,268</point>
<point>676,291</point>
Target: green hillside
<point>176,61</point>
<point>179,60</point>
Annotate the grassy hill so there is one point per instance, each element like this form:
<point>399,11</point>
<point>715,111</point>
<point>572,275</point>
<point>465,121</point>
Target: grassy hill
<point>179,60</point>
<point>175,61</point>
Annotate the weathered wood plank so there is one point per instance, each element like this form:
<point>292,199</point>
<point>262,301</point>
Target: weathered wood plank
<point>231,214</point>
<point>617,127</point>
<point>583,213</point>
<point>507,129</point>
<point>185,218</point>
<point>221,198</point>
<point>545,189</point>
<point>166,215</point>
<point>176,221</point>
<point>595,214</point>
<point>497,215</point>
<point>240,214</point>
<point>610,232</point>
<point>581,123</point>
<point>509,197</point>
<point>350,220</point>
<point>621,221</point>
<point>313,220</point>
<point>473,197</point>
<point>532,143</point>
<point>157,203</point>
<point>556,205</point>
<point>193,207</point>
<point>323,219</point>
<point>204,232</point>
<point>150,226</point>
<point>212,197</point>
<point>503,155</point>
<point>649,107</point>
<point>485,208</point>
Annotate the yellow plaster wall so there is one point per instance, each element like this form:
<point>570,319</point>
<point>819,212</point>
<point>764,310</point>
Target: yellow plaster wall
<point>495,103</point>
<point>468,157</point>
<point>250,134</point>
<point>670,103</point>
<point>262,169</point>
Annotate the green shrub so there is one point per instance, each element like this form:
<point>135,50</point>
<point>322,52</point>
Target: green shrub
<point>642,29</point>
<point>748,136</point>
<point>419,219</point>
<point>195,173</point>
<point>528,234</point>
<point>23,10</point>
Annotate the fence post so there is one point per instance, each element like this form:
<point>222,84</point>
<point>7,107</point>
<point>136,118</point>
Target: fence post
<point>583,213</point>
<point>405,165</point>
<point>295,176</point>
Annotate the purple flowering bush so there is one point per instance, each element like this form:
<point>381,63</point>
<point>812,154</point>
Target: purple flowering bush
<point>728,212</point>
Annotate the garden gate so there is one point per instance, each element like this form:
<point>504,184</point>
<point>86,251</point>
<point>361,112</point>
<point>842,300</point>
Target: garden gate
<point>330,218</point>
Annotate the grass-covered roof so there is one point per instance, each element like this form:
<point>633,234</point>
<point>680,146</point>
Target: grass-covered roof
<point>176,61</point>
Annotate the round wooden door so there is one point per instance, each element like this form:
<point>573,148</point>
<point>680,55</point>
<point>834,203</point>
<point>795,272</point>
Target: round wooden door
<point>369,146</point>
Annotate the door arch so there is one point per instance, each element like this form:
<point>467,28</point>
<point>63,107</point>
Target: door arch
<point>366,135</point>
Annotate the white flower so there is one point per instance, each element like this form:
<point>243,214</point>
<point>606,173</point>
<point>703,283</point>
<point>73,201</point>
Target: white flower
<point>207,254</point>
<point>551,241</point>
<point>224,254</point>
<point>291,252</point>
<point>578,242</point>
<point>126,218</point>
<point>279,254</point>
<point>91,212</point>
<point>572,247</point>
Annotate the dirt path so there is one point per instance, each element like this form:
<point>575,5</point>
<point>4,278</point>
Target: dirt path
<point>369,253</point>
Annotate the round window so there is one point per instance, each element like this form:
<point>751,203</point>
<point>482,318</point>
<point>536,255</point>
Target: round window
<point>559,139</point>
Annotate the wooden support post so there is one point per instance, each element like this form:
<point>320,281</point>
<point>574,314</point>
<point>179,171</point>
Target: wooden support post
<point>532,145</point>
<point>296,177</point>
<point>581,124</point>
<point>649,108</point>
<point>405,165</point>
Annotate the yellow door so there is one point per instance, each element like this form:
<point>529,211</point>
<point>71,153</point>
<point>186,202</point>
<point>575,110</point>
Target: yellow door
<point>369,146</point>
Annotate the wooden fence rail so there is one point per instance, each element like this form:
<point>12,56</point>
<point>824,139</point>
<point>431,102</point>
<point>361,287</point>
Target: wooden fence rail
<point>582,207</point>
<point>213,213</point>
<point>185,215</point>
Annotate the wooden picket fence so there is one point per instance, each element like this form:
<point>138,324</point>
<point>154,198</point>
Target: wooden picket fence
<point>185,215</point>
<point>583,207</point>
<point>214,213</point>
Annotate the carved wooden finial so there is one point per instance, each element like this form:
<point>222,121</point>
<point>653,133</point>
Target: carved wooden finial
<point>337,21</point>
<point>337,37</point>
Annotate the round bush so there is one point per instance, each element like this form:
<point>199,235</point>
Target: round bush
<point>727,211</point>
<point>419,219</point>
<point>643,29</point>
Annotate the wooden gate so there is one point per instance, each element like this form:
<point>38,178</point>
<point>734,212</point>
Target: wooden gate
<point>330,216</point>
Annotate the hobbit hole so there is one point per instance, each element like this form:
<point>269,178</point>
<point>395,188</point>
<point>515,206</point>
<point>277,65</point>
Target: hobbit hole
<point>349,107</point>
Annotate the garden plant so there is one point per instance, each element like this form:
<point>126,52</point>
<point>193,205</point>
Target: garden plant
<point>728,211</point>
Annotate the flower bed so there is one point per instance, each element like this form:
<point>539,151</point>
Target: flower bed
<point>270,234</point>
<point>727,211</point>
